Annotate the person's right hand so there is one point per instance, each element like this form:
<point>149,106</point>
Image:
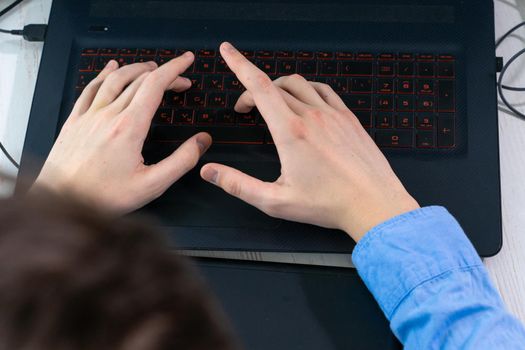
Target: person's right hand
<point>332,173</point>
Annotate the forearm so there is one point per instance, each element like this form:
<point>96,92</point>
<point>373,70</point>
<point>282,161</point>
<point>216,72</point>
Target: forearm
<point>432,286</point>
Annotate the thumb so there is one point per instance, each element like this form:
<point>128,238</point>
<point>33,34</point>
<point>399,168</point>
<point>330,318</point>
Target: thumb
<point>172,168</point>
<point>260,194</point>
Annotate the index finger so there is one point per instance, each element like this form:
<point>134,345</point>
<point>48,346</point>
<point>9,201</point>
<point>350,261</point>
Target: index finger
<point>148,97</point>
<point>265,94</point>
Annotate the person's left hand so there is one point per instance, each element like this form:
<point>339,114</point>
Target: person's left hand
<point>97,155</point>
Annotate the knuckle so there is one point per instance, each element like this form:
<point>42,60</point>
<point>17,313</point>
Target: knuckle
<point>298,128</point>
<point>264,81</point>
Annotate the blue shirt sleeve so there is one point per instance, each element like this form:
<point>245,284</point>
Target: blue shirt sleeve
<point>432,286</point>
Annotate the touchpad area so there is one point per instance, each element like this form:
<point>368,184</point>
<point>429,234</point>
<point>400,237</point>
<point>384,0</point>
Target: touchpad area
<point>193,202</point>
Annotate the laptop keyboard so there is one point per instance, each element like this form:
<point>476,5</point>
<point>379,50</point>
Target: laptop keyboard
<point>404,100</point>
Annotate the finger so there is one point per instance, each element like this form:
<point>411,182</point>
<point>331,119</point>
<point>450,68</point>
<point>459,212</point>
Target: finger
<point>253,191</point>
<point>329,96</point>
<point>125,98</point>
<point>180,84</point>
<point>115,83</point>
<point>267,97</point>
<point>245,103</point>
<point>90,91</point>
<point>172,168</point>
<point>299,87</point>
<point>148,97</point>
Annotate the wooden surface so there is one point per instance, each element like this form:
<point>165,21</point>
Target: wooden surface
<point>19,61</point>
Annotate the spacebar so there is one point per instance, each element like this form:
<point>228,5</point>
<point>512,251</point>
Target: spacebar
<point>180,133</point>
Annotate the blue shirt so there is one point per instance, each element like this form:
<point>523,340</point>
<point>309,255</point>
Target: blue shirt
<point>432,286</point>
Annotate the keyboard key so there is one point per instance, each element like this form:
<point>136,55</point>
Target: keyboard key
<point>386,57</point>
<point>425,57</point>
<point>344,56</point>
<point>385,86</point>
<point>232,83</point>
<point>222,67</point>
<point>183,116</point>
<point>384,120</point>
<point>225,116</point>
<point>148,52</point>
<point>406,57</point>
<point>86,64</point>
<point>206,53</point>
<point>265,54</point>
<point>205,116</point>
<point>405,120</point>
<point>249,118</point>
<point>196,81</point>
<point>365,56</point>
<point>425,69</point>
<point>445,136</point>
<point>213,82</point>
<point>89,52</point>
<point>406,69</point>
<point>405,86</point>
<point>361,85</point>
<point>108,52</point>
<point>84,79</point>
<point>425,103</point>
<point>405,103</point>
<point>425,87</point>
<point>195,99</point>
<point>385,103</point>
<point>328,68</point>
<point>220,134</point>
<point>339,85</point>
<point>174,99</point>
<point>216,100</point>
<point>305,55</point>
<point>205,65</point>
<point>267,66</point>
<point>425,121</point>
<point>365,117</point>
<point>446,96</point>
<point>286,67</point>
<point>357,68</point>
<point>325,55</point>
<point>425,139</point>
<point>167,52</point>
<point>446,70</point>
<point>386,69</point>
<point>285,54</point>
<point>394,138</point>
<point>308,67</point>
<point>232,98</point>
<point>358,102</point>
<point>248,53</point>
<point>126,60</point>
<point>163,116</point>
<point>128,52</point>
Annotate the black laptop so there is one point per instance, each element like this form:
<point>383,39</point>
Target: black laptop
<point>419,75</point>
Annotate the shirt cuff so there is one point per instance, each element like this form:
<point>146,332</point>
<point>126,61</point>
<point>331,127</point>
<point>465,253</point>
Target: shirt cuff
<point>402,253</point>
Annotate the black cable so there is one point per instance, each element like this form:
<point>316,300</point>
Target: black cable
<point>9,156</point>
<point>501,86</point>
<point>10,7</point>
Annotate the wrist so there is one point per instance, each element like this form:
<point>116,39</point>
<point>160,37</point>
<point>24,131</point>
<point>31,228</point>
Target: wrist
<point>366,215</point>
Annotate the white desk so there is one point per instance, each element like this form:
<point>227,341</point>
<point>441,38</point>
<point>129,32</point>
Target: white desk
<point>19,61</point>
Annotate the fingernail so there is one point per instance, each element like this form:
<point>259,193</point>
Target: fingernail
<point>188,54</point>
<point>185,80</point>
<point>210,175</point>
<point>203,142</point>
<point>111,64</point>
<point>228,47</point>
<point>152,64</point>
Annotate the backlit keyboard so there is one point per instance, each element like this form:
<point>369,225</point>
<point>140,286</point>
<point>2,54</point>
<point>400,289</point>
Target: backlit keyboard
<point>404,100</point>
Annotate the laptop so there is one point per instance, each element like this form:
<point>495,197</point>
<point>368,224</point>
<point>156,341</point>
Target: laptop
<point>419,75</point>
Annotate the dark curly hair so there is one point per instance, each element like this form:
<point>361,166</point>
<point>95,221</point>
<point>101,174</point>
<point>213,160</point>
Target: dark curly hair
<point>72,278</point>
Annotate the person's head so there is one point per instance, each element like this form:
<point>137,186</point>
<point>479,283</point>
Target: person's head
<point>71,278</point>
